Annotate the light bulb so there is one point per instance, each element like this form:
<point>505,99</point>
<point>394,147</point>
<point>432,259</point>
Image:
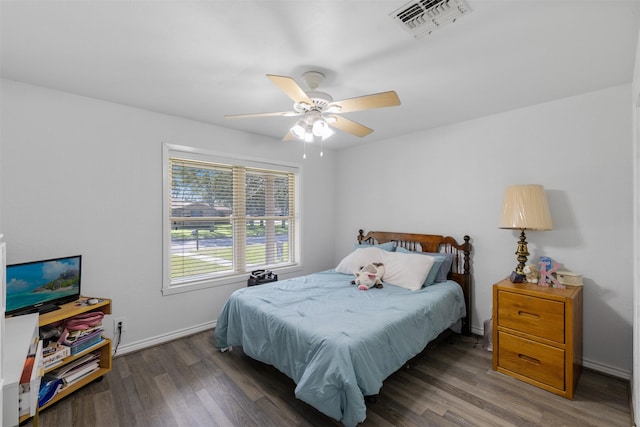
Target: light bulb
<point>327,133</point>
<point>319,127</point>
<point>298,130</point>
<point>308,137</point>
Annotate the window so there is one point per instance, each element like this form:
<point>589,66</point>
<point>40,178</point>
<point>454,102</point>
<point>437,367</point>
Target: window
<point>225,217</point>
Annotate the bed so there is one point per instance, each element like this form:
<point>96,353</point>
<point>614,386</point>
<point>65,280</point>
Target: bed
<point>338,343</point>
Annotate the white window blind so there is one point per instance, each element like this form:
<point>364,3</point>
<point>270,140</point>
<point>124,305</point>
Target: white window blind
<point>228,219</point>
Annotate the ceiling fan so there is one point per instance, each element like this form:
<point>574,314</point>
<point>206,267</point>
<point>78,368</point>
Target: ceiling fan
<point>319,111</point>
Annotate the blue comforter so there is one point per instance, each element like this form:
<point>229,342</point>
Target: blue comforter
<point>336,342</point>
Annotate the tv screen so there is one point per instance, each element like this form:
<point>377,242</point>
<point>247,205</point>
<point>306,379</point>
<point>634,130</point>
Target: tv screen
<point>42,286</point>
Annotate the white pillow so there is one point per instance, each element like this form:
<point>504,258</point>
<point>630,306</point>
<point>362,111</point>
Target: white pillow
<point>406,270</point>
<point>359,258</point>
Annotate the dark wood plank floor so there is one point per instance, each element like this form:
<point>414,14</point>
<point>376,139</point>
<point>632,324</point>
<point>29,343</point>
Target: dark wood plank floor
<point>187,383</point>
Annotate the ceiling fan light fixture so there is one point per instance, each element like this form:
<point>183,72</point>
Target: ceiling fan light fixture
<point>308,137</point>
<point>298,130</point>
<point>328,132</point>
<point>319,127</point>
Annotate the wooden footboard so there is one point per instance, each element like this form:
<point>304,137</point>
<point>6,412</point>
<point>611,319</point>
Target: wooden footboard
<point>460,269</point>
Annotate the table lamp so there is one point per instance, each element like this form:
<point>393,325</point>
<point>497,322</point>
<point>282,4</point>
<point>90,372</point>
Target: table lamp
<point>524,207</point>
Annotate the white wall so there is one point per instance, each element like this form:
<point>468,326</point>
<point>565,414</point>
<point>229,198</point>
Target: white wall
<point>451,180</point>
<point>83,176</point>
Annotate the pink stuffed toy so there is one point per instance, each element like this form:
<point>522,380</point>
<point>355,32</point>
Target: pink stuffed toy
<point>369,276</point>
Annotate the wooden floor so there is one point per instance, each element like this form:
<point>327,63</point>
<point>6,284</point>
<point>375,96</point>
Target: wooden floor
<point>187,383</point>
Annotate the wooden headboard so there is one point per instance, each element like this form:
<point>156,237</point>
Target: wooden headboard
<point>460,269</point>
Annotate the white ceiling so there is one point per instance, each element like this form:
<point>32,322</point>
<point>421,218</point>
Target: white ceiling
<point>204,59</point>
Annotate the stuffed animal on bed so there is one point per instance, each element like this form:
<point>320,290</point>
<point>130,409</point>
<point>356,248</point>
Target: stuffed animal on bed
<point>369,276</point>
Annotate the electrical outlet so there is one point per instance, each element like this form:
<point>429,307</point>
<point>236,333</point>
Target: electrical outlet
<point>119,321</point>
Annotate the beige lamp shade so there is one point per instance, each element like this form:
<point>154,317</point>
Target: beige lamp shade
<point>525,207</point>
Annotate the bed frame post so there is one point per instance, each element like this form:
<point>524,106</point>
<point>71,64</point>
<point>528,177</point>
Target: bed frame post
<point>466,249</point>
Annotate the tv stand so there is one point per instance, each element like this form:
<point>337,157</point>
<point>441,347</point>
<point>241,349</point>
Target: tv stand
<point>64,312</point>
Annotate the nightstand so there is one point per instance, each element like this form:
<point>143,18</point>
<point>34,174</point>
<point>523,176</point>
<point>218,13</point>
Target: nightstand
<point>537,335</point>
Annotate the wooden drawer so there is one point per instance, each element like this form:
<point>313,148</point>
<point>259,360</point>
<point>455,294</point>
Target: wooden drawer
<point>540,317</point>
<point>531,359</point>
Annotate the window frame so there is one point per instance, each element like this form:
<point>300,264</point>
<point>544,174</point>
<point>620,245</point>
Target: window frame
<point>197,154</point>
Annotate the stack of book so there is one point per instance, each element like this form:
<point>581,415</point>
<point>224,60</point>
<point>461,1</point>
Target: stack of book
<point>57,380</point>
<point>53,354</point>
<point>78,341</point>
<point>78,369</point>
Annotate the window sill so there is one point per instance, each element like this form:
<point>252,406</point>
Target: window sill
<point>224,281</point>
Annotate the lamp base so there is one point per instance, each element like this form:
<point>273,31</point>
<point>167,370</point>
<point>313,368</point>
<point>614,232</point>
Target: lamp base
<point>516,278</point>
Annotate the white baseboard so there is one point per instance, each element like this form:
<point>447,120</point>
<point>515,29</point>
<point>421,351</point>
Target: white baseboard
<point>605,369</point>
<point>161,339</point>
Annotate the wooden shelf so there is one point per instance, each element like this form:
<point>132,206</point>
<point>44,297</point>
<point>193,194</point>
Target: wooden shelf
<point>104,347</point>
<point>96,346</point>
<point>73,308</point>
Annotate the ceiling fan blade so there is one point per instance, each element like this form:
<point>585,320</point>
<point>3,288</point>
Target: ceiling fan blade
<point>290,88</point>
<point>280,113</point>
<point>350,126</point>
<point>289,137</point>
<point>366,102</point>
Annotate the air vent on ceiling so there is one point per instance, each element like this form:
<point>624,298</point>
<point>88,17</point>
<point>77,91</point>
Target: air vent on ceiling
<point>421,17</point>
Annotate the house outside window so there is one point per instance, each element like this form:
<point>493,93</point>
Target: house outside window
<point>225,217</point>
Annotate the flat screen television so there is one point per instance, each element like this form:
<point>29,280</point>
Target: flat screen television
<point>42,286</point>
